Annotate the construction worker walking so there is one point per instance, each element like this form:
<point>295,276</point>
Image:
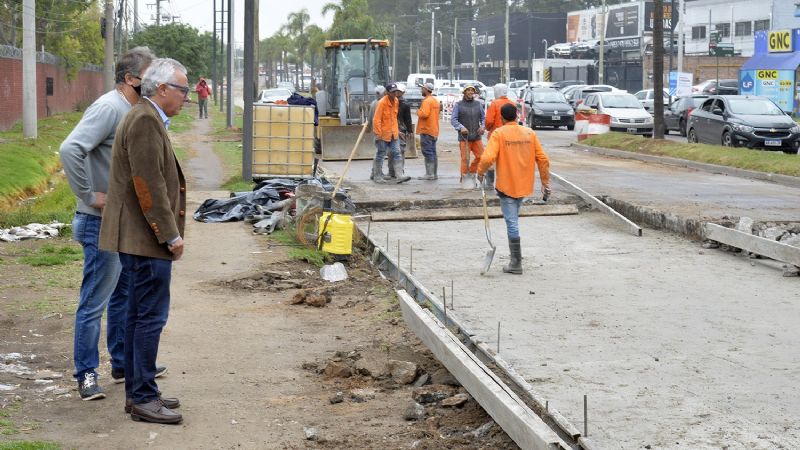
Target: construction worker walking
<point>493,119</point>
<point>468,119</point>
<point>387,133</point>
<point>380,91</point>
<point>428,129</point>
<point>518,152</point>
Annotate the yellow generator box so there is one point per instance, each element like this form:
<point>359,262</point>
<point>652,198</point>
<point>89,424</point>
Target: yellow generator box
<point>283,141</point>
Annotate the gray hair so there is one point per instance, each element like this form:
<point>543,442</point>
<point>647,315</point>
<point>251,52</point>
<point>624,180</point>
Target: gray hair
<point>132,62</point>
<point>380,90</point>
<point>500,89</point>
<point>161,71</point>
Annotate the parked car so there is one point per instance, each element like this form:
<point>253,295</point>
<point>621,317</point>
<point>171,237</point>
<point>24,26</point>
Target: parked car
<point>561,50</point>
<point>274,95</point>
<point>413,96</point>
<point>702,85</point>
<point>587,49</point>
<point>627,114</point>
<point>447,95</point>
<point>647,98</point>
<point>743,121</point>
<point>677,115</point>
<point>516,84</point>
<point>577,95</point>
<point>563,84</point>
<point>286,85</point>
<point>547,107</point>
<point>724,87</point>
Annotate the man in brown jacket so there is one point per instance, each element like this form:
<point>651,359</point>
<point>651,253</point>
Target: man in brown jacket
<point>143,220</point>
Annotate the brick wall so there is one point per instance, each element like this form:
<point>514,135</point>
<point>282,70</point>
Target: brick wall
<point>67,94</point>
<point>701,67</point>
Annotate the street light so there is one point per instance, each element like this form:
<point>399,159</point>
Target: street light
<point>441,53</point>
<point>433,7</point>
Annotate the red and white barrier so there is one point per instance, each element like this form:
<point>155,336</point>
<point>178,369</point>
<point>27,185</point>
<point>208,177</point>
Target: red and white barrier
<point>587,124</point>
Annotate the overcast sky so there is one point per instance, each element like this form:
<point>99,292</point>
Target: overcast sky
<point>199,13</point>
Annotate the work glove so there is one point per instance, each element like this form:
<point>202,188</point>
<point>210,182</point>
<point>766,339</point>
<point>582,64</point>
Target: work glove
<point>546,194</point>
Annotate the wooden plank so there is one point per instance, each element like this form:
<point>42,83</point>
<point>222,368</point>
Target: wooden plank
<point>508,410</point>
<point>425,215</point>
<point>592,200</point>
<point>753,244</point>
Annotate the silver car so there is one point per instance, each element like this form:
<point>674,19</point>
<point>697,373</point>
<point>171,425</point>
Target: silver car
<point>627,114</point>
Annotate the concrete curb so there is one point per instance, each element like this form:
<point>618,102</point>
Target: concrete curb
<point>446,315</point>
<point>784,180</point>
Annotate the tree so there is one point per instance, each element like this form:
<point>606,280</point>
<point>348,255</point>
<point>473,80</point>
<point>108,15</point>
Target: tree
<point>658,69</point>
<point>180,42</point>
<point>316,51</point>
<point>296,28</point>
<point>350,19</point>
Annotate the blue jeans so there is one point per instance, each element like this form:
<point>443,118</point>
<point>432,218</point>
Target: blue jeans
<point>510,207</point>
<point>428,144</point>
<point>148,309</point>
<point>102,287</point>
<point>383,147</point>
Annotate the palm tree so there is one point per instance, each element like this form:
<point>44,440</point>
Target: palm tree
<point>316,42</point>
<point>296,28</point>
<point>350,19</point>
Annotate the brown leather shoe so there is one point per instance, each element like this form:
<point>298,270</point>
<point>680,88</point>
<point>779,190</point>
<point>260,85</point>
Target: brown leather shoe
<point>170,403</point>
<point>155,412</point>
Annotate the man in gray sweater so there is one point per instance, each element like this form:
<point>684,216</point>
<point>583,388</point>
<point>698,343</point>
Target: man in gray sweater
<point>86,157</point>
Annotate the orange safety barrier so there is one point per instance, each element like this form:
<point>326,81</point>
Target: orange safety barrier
<point>589,124</point>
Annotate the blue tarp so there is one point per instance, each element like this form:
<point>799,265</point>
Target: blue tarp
<point>774,61</point>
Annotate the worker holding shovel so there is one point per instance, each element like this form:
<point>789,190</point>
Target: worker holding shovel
<point>515,149</point>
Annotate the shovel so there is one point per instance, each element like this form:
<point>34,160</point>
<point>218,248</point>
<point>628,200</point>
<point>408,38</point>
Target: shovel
<point>487,260</point>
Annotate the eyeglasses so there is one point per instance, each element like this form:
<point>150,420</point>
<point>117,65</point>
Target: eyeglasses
<point>183,89</point>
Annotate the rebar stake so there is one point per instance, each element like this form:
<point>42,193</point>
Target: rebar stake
<point>411,261</point>
<point>585,418</point>
<point>547,406</point>
<point>498,337</point>
<point>398,254</point>
<point>387,244</point>
<point>369,224</point>
<point>451,294</point>
<point>444,305</point>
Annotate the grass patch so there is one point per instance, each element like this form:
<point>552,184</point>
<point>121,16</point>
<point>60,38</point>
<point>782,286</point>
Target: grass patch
<point>29,445</point>
<point>298,251</point>
<point>52,255</point>
<point>183,121</point>
<point>56,205</point>
<point>29,163</point>
<point>742,158</point>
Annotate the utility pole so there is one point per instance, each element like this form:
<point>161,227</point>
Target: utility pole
<point>108,71</point>
<point>474,54</point>
<point>229,122</point>
<point>135,16</point>
<point>214,57</point>
<point>658,69</point>
<point>671,33</point>
<point>29,125</point>
<point>433,37</point>
<point>602,68</point>
<point>453,50</point>
<point>221,63</point>
<point>394,48</point>
<point>158,13</point>
<point>506,63</point>
<point>410,57</point>
<point>681,36</point>
<point>250,19</point>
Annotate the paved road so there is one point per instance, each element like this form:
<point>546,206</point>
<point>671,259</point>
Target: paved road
<point>675,346</point>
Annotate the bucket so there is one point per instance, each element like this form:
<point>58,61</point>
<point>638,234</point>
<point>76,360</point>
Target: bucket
<point>336,233</point>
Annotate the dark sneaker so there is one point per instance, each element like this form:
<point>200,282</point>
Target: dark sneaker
<point>118,375</point>
<point>88,387</point>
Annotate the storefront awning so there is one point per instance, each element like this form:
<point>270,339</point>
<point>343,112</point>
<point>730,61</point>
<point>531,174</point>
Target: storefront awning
<point>774,61</point>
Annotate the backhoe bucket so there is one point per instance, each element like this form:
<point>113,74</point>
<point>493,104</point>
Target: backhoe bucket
<point>337,142</point>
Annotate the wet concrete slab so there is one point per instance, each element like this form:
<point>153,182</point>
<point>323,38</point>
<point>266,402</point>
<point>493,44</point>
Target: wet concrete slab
<point>675,346</point>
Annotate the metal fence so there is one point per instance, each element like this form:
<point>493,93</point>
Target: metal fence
<point>8,51</point>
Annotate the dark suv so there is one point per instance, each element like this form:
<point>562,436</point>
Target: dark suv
<point>726,87</point>
<point>743,121</point>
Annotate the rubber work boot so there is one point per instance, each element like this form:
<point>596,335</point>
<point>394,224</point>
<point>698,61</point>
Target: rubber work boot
<point>430,170</point>
<point>398,171</point>
<point>436,169</point>
<point>515,266</point>
<point>377,173</point>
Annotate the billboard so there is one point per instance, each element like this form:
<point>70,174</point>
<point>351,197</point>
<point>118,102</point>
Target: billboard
<point>623,22</point>
<point>777,85</point>
<point>670,16</point>
<point>584,25</point>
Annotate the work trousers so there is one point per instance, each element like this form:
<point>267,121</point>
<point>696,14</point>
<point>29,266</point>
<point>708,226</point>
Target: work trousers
<point>203,106</point>
<point>476,148</point>
<point>428,144</point>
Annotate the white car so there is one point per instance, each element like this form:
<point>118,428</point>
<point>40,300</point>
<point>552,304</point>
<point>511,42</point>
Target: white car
<point>627,114</point>
<point>646,97</point>
<point>447,97</point>
<point>562,50</point>
<point>273,95</point>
